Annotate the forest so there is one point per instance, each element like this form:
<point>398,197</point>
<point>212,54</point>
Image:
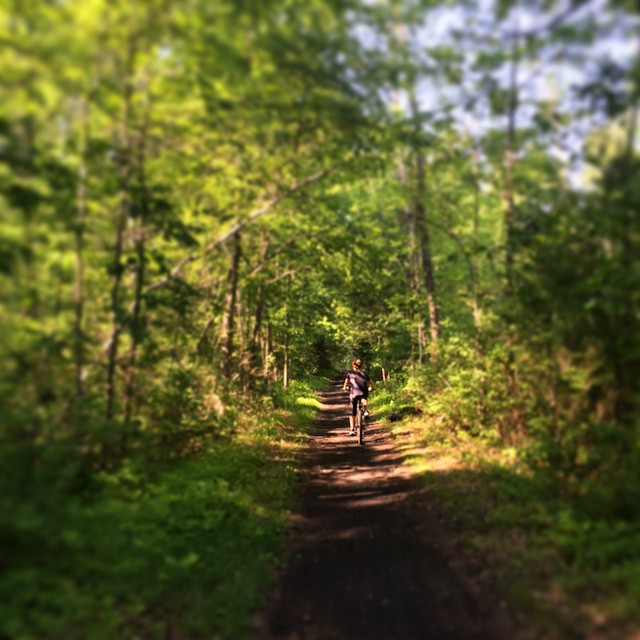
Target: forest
<point>208,209</point>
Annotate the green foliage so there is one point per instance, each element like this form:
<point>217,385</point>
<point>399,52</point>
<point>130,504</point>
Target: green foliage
<point>300,396</point>
<point>187,546</point>
<point>383,400</point>
<point>204,201</point>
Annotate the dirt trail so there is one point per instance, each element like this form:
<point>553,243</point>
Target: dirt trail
<point>364,560</point>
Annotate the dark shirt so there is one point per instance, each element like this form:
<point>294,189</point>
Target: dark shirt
<point>358,384</point>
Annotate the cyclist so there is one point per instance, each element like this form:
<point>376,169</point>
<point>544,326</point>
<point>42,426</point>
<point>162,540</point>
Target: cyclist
<point>359,384</point>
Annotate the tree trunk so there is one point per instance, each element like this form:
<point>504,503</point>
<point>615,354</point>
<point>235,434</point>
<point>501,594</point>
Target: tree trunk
<point>285,368</point>
<point>202,345</point>
<point>474,267</point>
<point>422,342</point>
<point>229,322</point>
<point>419,205</point>
<point>424,238</point>
<point>509,224</point>
<point>474,275</point>
<point>415,282</point>
<point>139,244</point>
<point>266,366</point>
<point>123,215</point>
<point>81,213</point>
<point>256,333</point>
<point>242,351</point>
<point>116,322</point>
<point>510,150</point>
<point>425,254</point>
<point>255,346</point>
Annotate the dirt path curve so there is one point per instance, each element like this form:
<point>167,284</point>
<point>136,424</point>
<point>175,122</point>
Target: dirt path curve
<point>363,560</point>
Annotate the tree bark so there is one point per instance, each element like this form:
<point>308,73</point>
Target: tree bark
<point>255,346</point>
<point>474,267</point>
<point>509,224</point>
<point>413,272</point>
<point>632,127</point>
<point>81,213</point>
<point>139,244</point>
<point>419,204</point>
<point>285,368</point>
<point>123,215</point>
<point>424,240</point>
<point>510,151</point>
<point>258,313</point>
<point>266,365</point>
<point>229,321</point>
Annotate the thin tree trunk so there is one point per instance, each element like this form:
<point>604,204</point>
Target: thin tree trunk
<point>509,224</point>
<point>285,366</point>
<point>81,213</point>
<point>255,346</point>
<point>116,324</point>
<point>422,342</point>
<point>425,254</point>
<point>139,244</point>
<point>266,365</point>
<point>474,270</point>
<point>474,274</point>
<point>123,215</point>
<point>256,332</point>
<point>419,208</point>
<point>510,150</point>
<point>243,356</point>
<point>285,370</point>
<point>415,282</point>
<point>632,129</point>
<point>202,341</point>
<point>257,320</point>
<point>229,325</point>
<point>424,237</point>
<point>632,125</point>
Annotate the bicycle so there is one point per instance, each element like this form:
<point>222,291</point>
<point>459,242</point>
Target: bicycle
<point>360,421</point>
<point>358,384</point>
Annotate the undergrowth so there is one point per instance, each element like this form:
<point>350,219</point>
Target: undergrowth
<point>175,548</point>
<point>572,567</point>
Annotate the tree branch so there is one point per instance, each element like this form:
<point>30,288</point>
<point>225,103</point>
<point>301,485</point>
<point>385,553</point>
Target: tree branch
<point>553,22</point>
<point>254,215</point>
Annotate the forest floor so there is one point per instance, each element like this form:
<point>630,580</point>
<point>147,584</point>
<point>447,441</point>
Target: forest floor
<point>371,555</point>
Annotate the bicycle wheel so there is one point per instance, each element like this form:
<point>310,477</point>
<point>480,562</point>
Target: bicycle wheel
<point>360,423</point>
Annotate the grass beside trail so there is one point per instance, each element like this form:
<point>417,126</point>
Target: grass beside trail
<point>572,577</point>
<point>184,548</point>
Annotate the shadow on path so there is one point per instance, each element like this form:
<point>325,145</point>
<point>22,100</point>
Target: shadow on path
<point>362,563</point>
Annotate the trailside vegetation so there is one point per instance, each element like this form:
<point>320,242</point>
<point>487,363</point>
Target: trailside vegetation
<point>206,206</point>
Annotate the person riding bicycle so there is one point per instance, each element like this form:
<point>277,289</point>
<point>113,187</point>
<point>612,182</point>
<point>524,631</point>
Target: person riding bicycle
<point>359,384</point>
